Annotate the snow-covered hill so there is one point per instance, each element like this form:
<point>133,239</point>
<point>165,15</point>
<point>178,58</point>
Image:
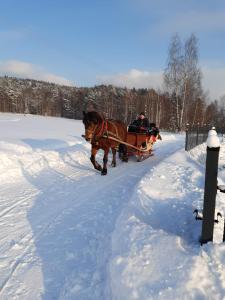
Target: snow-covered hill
<point>69,233</point>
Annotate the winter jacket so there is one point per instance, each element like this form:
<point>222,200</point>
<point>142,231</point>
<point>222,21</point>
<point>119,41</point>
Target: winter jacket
<point>141,123</point>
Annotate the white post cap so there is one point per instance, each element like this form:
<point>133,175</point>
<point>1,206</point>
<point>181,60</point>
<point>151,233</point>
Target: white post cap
<point>213,140</point>
<point>212,131</point>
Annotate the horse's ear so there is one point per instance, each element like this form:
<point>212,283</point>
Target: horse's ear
<point>84,113</point>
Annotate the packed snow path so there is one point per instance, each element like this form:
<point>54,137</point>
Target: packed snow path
<point>57,213</point>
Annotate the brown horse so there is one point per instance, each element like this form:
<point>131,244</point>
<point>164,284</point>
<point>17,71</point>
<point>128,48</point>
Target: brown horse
<point>97,131</point>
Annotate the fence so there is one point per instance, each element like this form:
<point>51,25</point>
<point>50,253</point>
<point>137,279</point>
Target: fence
<point>196,135</point>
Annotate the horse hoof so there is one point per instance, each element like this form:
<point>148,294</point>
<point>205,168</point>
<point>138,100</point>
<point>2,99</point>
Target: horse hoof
<point>113,165</point>
<point>104,172</point>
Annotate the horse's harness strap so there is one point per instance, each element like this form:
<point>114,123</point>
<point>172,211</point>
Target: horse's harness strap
<point>115,127</point>
<point>110,133</point>
<point>107,133</point>
<point>104,132</point>
<point>101,131</point>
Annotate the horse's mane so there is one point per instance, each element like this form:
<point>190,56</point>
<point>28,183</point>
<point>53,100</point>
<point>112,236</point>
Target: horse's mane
<point>92,116</point>
<point>96,117</point>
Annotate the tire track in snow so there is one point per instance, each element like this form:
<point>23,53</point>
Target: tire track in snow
<point>16,205</point>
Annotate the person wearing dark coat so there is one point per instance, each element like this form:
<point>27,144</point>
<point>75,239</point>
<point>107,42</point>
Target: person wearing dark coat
<point>142,125</point>
<point>141,121</point>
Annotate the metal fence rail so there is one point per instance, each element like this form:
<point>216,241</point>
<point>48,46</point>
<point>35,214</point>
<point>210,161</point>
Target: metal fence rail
<point>196,135</point>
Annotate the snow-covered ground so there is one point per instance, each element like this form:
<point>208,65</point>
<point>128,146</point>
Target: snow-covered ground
<point>66,232</point>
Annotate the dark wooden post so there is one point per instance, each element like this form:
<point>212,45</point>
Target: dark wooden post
<point>186,137</point>
<point>224,231</point>
<point>213,147</point>
<point>197,134</point>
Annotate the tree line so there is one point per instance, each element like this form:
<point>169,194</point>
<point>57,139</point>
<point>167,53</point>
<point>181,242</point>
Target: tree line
<point>37,97</point>
<point>180,101</point>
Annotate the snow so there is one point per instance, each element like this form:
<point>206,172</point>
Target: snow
<point>212,131</point>
<point>213,140</point>
<point>69,233</point>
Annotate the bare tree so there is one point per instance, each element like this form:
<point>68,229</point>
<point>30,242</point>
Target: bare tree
<point>173,74</point>
<point>182,78</point>
<point>192,80</point>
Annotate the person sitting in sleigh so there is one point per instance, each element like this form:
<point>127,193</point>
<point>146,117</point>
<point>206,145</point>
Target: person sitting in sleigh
<point>141,124</point>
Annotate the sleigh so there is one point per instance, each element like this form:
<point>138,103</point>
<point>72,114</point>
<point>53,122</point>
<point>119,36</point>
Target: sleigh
<point>140,144</point>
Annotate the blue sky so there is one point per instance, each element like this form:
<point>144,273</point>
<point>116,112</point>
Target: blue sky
<point>123,42</point>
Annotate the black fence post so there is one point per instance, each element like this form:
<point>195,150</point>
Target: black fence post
<point>186,137</point>
<point>213,147</point>
<point>197,134</point>
<point>224,231</point>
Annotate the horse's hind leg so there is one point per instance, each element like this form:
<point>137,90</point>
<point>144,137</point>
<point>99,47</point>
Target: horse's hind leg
<point>123,152</point>
<point>113,164</point>
<point>92,158</point>
<point>105,160</point>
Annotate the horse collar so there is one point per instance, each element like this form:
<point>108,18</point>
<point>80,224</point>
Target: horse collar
<point>104,125</point>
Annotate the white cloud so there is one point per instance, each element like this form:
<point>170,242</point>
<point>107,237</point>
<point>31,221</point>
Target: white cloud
<point>27,70</point>
<point>213,77</point>
<point>213,80</point>
<point>134,78</point>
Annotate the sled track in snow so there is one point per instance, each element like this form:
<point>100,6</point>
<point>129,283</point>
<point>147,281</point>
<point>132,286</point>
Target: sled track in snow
<point>15,205</point>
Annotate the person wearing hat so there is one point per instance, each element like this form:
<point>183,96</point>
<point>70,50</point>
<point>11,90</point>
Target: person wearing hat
<point>142,125</point>
<point>141,121</point>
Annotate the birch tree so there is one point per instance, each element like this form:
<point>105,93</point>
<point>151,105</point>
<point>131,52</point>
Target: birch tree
<point>182,78</point>
<point>192,80</point>
<point>173,74</point>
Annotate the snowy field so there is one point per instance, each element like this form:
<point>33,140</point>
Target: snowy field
<point>66,232</point>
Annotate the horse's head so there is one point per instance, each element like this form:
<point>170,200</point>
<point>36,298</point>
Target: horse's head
<point>91,122</point>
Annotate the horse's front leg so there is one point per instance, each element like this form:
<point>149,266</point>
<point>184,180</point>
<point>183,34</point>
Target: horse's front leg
<point>105,160</point>
<point>113,164</point>
<point>96,165</point>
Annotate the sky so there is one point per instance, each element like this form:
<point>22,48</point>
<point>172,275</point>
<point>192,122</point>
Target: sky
<point>120,42</point>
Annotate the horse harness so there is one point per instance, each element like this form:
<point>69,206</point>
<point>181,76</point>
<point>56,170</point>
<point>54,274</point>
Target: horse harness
<point>104,132</point>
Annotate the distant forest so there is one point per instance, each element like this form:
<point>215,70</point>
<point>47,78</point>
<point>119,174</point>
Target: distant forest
<point>36,97</point>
